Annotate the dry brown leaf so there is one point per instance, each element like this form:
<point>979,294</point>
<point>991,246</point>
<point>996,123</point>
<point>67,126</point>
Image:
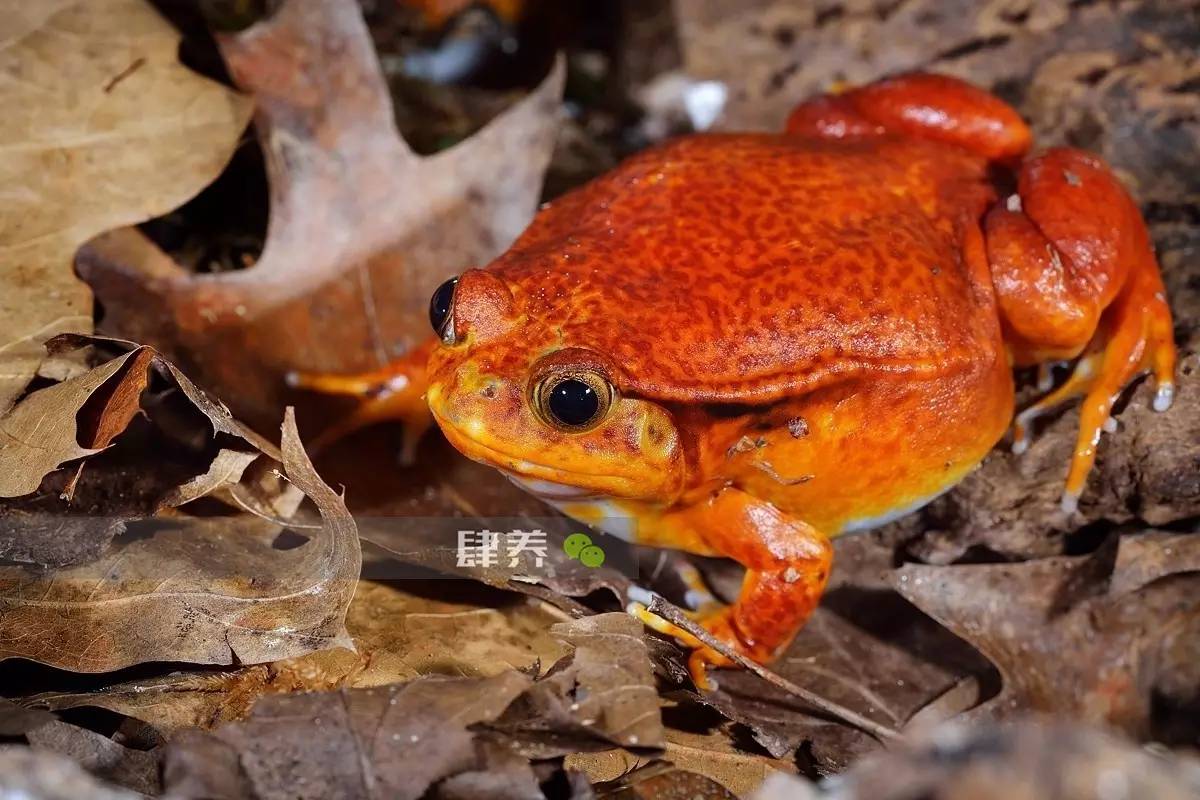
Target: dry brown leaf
<point>103,127</point>
<point>602,694</point>
<point>99,755</point>
<point>614,691</point>
<point>109,411</point>
<point>1029,760</point>
<point>40,434</point>
<point>400,630</point>
<point>1104,638</point>
<point>664,782</point>
<point>226,470</point>
<point>362,230</point>
<point>389,742</point>
<point>712,754</point>
<point>210,590</point>
<point>410,628</point>
<point>25,772</point>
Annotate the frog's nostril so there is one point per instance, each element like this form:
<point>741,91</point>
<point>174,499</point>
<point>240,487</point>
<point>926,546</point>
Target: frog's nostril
<point>489,392</point>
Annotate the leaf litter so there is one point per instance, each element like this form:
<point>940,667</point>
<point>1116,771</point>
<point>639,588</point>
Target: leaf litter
<point>400,631</point>
<point>134,473</point>
<point>401,739</point>
<point>209,590</point>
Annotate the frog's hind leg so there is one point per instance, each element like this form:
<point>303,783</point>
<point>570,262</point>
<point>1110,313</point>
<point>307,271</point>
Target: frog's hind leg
<point>1076,385</point>
<point>1075,276</point>
<point>934,107</point>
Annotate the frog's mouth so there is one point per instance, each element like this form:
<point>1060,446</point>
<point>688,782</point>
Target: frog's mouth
<point>556,476</point>
<point>545,482</point>
<point>550,491</point>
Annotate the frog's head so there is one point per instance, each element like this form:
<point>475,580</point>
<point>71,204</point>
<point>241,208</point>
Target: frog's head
<point>509,391</point>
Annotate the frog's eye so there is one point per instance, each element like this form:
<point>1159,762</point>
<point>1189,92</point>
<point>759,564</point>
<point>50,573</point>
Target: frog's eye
<point>440,306</point>
<point>573,401</point>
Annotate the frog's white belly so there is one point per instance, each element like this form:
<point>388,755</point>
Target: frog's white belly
<point>606,515</point>
<point>867,523</point>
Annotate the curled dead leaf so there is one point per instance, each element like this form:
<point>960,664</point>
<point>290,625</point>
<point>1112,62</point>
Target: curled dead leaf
<point>40,433</point>
<point>209,589</point>
<point>401,631</point>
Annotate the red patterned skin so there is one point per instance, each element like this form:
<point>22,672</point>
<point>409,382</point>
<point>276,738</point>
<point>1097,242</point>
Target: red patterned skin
<point>806,333</point>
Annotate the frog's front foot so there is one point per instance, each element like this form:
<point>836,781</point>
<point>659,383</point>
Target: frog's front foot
<point>714,618</point>
<point>394,393</point>
<point>787,564</point>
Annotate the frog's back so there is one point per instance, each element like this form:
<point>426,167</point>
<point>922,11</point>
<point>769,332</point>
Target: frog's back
<point>741,268</point>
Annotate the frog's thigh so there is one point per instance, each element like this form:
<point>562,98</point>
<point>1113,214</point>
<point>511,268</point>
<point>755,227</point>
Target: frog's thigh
<point>962,115</point>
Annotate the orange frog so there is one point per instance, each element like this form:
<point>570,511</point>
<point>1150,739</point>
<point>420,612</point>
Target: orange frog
<point>743,345</point>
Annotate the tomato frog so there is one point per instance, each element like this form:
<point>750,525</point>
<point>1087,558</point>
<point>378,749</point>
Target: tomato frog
<point>743,345</point>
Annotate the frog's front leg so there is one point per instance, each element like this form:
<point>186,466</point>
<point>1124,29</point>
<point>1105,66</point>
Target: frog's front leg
<point>787,565</point>
<point>394,393</point>
<point>1075,274</point>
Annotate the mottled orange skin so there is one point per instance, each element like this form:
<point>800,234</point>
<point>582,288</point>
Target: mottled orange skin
<point>808,332</point>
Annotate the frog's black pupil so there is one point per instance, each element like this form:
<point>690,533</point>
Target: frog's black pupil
<point>573,402</point>
<point>439,306</point>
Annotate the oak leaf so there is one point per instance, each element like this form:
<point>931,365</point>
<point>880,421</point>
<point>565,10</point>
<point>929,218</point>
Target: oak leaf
<point>362,229</point>
<point>102,127</point>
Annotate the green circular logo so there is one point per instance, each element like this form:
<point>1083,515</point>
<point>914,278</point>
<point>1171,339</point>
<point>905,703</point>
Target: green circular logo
<point>575,543</point>
<point>591,556</point>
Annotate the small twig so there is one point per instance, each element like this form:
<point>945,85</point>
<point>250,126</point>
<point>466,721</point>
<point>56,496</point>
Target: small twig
<point>123,74</point>
<point>572,608</point>
<point>671,614</point>
<point>283,523</point>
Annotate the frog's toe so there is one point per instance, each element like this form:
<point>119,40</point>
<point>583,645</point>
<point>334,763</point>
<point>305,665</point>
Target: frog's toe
<point>700,661</point>
<point>698,598</point>
<point>1020,442</point>
<point>1045,374</point>
<point>716,621</point>
<point>1164,396</point>
<point>639,599</point>
<point>1077,385</point>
